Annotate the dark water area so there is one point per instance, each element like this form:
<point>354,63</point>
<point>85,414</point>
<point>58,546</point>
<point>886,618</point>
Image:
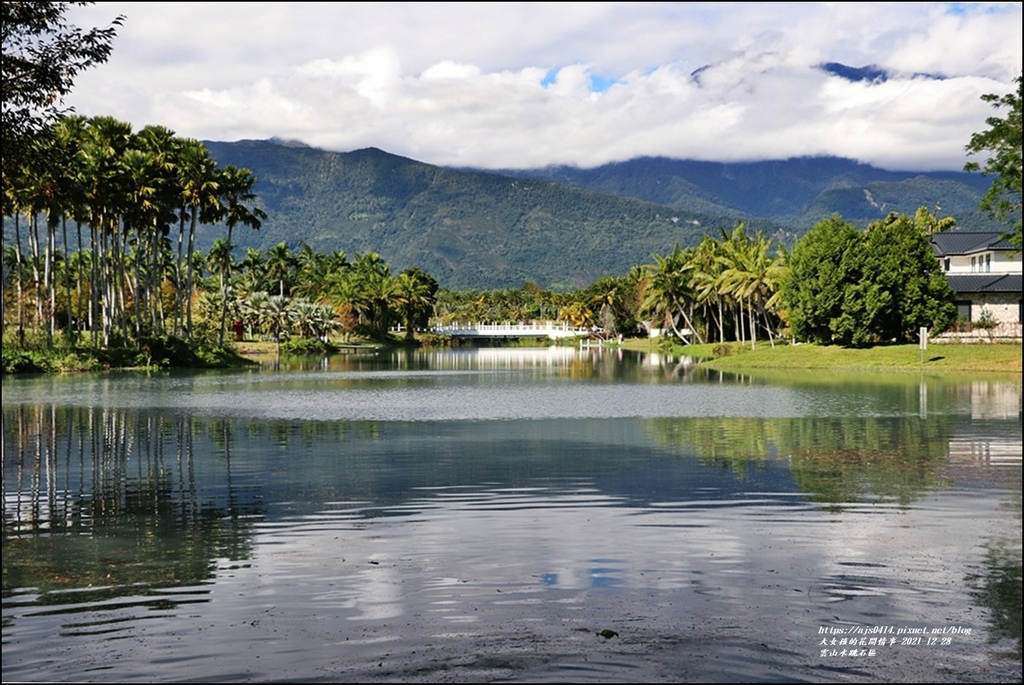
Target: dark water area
<point>510,515</point>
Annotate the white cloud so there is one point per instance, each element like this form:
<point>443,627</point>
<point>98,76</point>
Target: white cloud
<point>527,84</point>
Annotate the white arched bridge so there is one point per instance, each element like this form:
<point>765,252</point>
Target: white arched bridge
<point>541,329</point>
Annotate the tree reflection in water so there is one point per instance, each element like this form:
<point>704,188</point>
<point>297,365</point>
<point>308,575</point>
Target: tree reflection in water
<point>836,461</point>
<point>998,587</point>
<point>111,508</point>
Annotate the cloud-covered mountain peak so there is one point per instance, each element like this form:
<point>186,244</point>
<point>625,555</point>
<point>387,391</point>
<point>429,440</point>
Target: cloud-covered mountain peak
<point>871,73</point>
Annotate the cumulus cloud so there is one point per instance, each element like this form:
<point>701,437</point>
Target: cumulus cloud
<point>503,85</point>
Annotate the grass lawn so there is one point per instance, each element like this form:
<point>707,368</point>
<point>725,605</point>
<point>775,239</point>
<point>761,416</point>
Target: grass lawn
<point>972,358</point>
<point>954,358</point>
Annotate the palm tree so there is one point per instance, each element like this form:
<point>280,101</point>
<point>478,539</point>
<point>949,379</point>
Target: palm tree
<point>280,264</point>
<point>313,319</point>
<point>218,261</point>
<point>377,296</point>
<point>577,314</point>
<point>603,298</point>
<point>252,309</point>
<point>277,313</point>
<point>615,300</point>
<point>414,297</point>
<point>142,215</point>
<point>336,261</point>
<point>251,268</point>
<point>80,264</point>
<point>161,143</point>
<point>69,135</point>
<point>306,263</point>
<point>102,155</point>
<point>46,190</point>
<point>774,276</point>
<point>343,291</point>
<point>752,276</point>
<point>16,202</point>
<point>367,290</point>
<point>197,184</point>
<point>235,191</point>
<point>670,295</point>
<point>707,270</point>
<point>738,280</point>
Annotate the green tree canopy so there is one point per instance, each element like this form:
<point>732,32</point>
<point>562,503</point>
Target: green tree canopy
<point>821,265</point>
<point>1002,143</point>
<point>859,288</point>
<point>42,55</point>
<point>902,287</point>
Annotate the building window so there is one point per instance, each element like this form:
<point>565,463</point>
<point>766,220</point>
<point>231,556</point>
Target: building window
<point>947,264</point>
<point>963,310</point>
<point>988,263</point>
<point>974,264</point>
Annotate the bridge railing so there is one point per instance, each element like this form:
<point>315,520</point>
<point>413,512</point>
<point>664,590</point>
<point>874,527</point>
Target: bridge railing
<point>551,329</point>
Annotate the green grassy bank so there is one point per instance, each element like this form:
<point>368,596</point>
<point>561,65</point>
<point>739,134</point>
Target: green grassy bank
<point>953,358</point>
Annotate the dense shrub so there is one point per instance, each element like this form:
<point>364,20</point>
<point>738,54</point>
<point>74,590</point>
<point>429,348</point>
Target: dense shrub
<point>856,288</point>
<point>303,346</point>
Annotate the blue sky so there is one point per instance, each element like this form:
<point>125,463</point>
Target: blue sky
<point>514,85</point>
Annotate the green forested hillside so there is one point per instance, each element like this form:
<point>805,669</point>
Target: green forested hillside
<point>796,192</point>
<point>562,227</point>
<point>468,229</point>
<point>865,202</point>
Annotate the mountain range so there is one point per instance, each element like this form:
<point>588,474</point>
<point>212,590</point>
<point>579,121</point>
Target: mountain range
<point>561,227</point>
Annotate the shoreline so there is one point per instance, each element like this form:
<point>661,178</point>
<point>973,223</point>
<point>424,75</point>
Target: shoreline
<point>1000,358</point>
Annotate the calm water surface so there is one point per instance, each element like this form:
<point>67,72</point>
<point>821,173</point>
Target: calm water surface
<point>486,515</point>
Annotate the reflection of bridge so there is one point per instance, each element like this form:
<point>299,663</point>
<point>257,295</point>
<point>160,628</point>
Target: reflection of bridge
<point>544,329</point>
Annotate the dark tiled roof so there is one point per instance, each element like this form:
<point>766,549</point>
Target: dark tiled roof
<point>985,283</point>
<point>967,242</point>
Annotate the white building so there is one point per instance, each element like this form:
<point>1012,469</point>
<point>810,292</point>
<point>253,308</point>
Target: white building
<point>985,271</point>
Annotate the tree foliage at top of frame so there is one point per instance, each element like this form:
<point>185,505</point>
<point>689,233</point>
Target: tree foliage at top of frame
<point>42,55</point>
<point>1002,143</point>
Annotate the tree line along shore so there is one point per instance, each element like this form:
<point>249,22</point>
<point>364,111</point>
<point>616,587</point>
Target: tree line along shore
<point>101,268</point>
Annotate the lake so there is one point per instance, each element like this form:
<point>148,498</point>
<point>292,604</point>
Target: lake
<point>511,515</point>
